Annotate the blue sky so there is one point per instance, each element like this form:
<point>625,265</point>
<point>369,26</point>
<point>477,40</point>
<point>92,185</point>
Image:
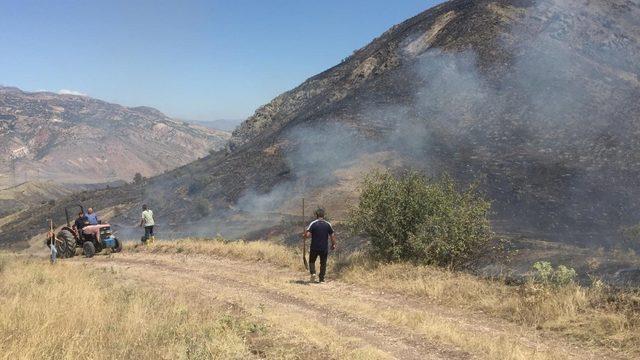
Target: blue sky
<point>200,60</point>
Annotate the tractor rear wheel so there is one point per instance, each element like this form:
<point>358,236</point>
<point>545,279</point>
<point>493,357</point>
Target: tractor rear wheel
<point>118,247</point>
<point>66,244</point>
<point>89,249</point>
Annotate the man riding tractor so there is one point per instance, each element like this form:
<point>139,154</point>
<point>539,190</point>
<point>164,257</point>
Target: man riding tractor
<point>91,238</point>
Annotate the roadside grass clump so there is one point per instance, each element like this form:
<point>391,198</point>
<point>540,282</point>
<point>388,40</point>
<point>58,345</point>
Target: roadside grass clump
<point>69,311</point>
<point>411,218</point>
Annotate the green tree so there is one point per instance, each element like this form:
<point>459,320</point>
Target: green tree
<point>410,218</point>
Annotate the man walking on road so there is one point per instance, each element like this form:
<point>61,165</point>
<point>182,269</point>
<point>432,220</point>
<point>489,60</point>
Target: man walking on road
<point>148,223</point>
<point>320,232</point>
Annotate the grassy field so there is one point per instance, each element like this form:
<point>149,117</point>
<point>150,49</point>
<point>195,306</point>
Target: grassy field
<point>77,310</point>
<point>71,311</point>
<point>596,316</point>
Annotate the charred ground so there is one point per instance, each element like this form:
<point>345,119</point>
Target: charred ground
<point>537,100</point>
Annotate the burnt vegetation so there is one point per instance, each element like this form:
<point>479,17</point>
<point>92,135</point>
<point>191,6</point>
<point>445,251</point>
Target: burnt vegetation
<point>535,101</point>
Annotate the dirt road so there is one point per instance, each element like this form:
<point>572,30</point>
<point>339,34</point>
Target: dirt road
<point>335,319</point>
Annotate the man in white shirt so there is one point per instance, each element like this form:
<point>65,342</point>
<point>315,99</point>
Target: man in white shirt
<point>148,223</point>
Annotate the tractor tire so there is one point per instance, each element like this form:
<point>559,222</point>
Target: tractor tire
<point>89,249</point>
<point>118,247</point>
<point>66,244</point>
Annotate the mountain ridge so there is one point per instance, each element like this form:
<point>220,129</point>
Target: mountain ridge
<point>76,138</point>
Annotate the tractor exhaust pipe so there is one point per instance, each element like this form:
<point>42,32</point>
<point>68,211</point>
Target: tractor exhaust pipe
<point>66,214</point>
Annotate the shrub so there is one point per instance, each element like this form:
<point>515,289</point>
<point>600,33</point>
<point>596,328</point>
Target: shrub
<point>410,218</point>
<point>564,275</point>
<point>456,229</point>
<point>560,276</point>
<point>543,271</point>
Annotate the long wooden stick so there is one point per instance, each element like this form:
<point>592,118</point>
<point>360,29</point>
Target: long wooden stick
<point>304,239</point>
<point>52,247</point>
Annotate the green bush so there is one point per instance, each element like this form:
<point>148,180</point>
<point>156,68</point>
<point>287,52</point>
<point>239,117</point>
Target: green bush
<point>410,218</point>
<point>560,276</point>
<point>564,275</point>
<point>543,271</point>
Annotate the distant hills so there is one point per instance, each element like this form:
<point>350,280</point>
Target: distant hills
<point>22,196</point>
<point>221,124</point>
<point>78,139</point>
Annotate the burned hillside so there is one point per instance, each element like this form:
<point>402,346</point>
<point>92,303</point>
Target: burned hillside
<point>536,100</point>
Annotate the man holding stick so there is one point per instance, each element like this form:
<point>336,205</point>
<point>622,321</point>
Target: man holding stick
<point>320,232</point>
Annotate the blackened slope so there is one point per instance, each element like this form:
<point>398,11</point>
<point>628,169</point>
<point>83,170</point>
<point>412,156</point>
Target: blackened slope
<point>550,132</point>
<point>538,99</point>
<point>320,92</point>
<point>534,98</point>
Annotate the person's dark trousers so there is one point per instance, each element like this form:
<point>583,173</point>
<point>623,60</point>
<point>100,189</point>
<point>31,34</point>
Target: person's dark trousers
<point>313,255</point>
<point>148,231</point>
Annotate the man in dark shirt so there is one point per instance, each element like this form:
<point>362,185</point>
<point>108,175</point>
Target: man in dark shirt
<point>80,222</point>
<point>320,232</point>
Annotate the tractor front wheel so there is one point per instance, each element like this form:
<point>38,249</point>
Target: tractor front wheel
<point>89,249</point>
<point>66,244</point>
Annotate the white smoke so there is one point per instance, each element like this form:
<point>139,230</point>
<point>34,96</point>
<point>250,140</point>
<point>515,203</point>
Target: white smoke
<point>531,130</point>
<point>71,92</point>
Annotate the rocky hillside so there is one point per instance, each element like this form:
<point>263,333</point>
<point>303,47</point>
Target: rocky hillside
<point>77,139</point>
<point>536,100</point>
<point>20,197</point>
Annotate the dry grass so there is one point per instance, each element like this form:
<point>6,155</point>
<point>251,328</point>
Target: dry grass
<point>595,316</point>
<point>273,253</point>
<point>102,316</point>
<point>69,311</point>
